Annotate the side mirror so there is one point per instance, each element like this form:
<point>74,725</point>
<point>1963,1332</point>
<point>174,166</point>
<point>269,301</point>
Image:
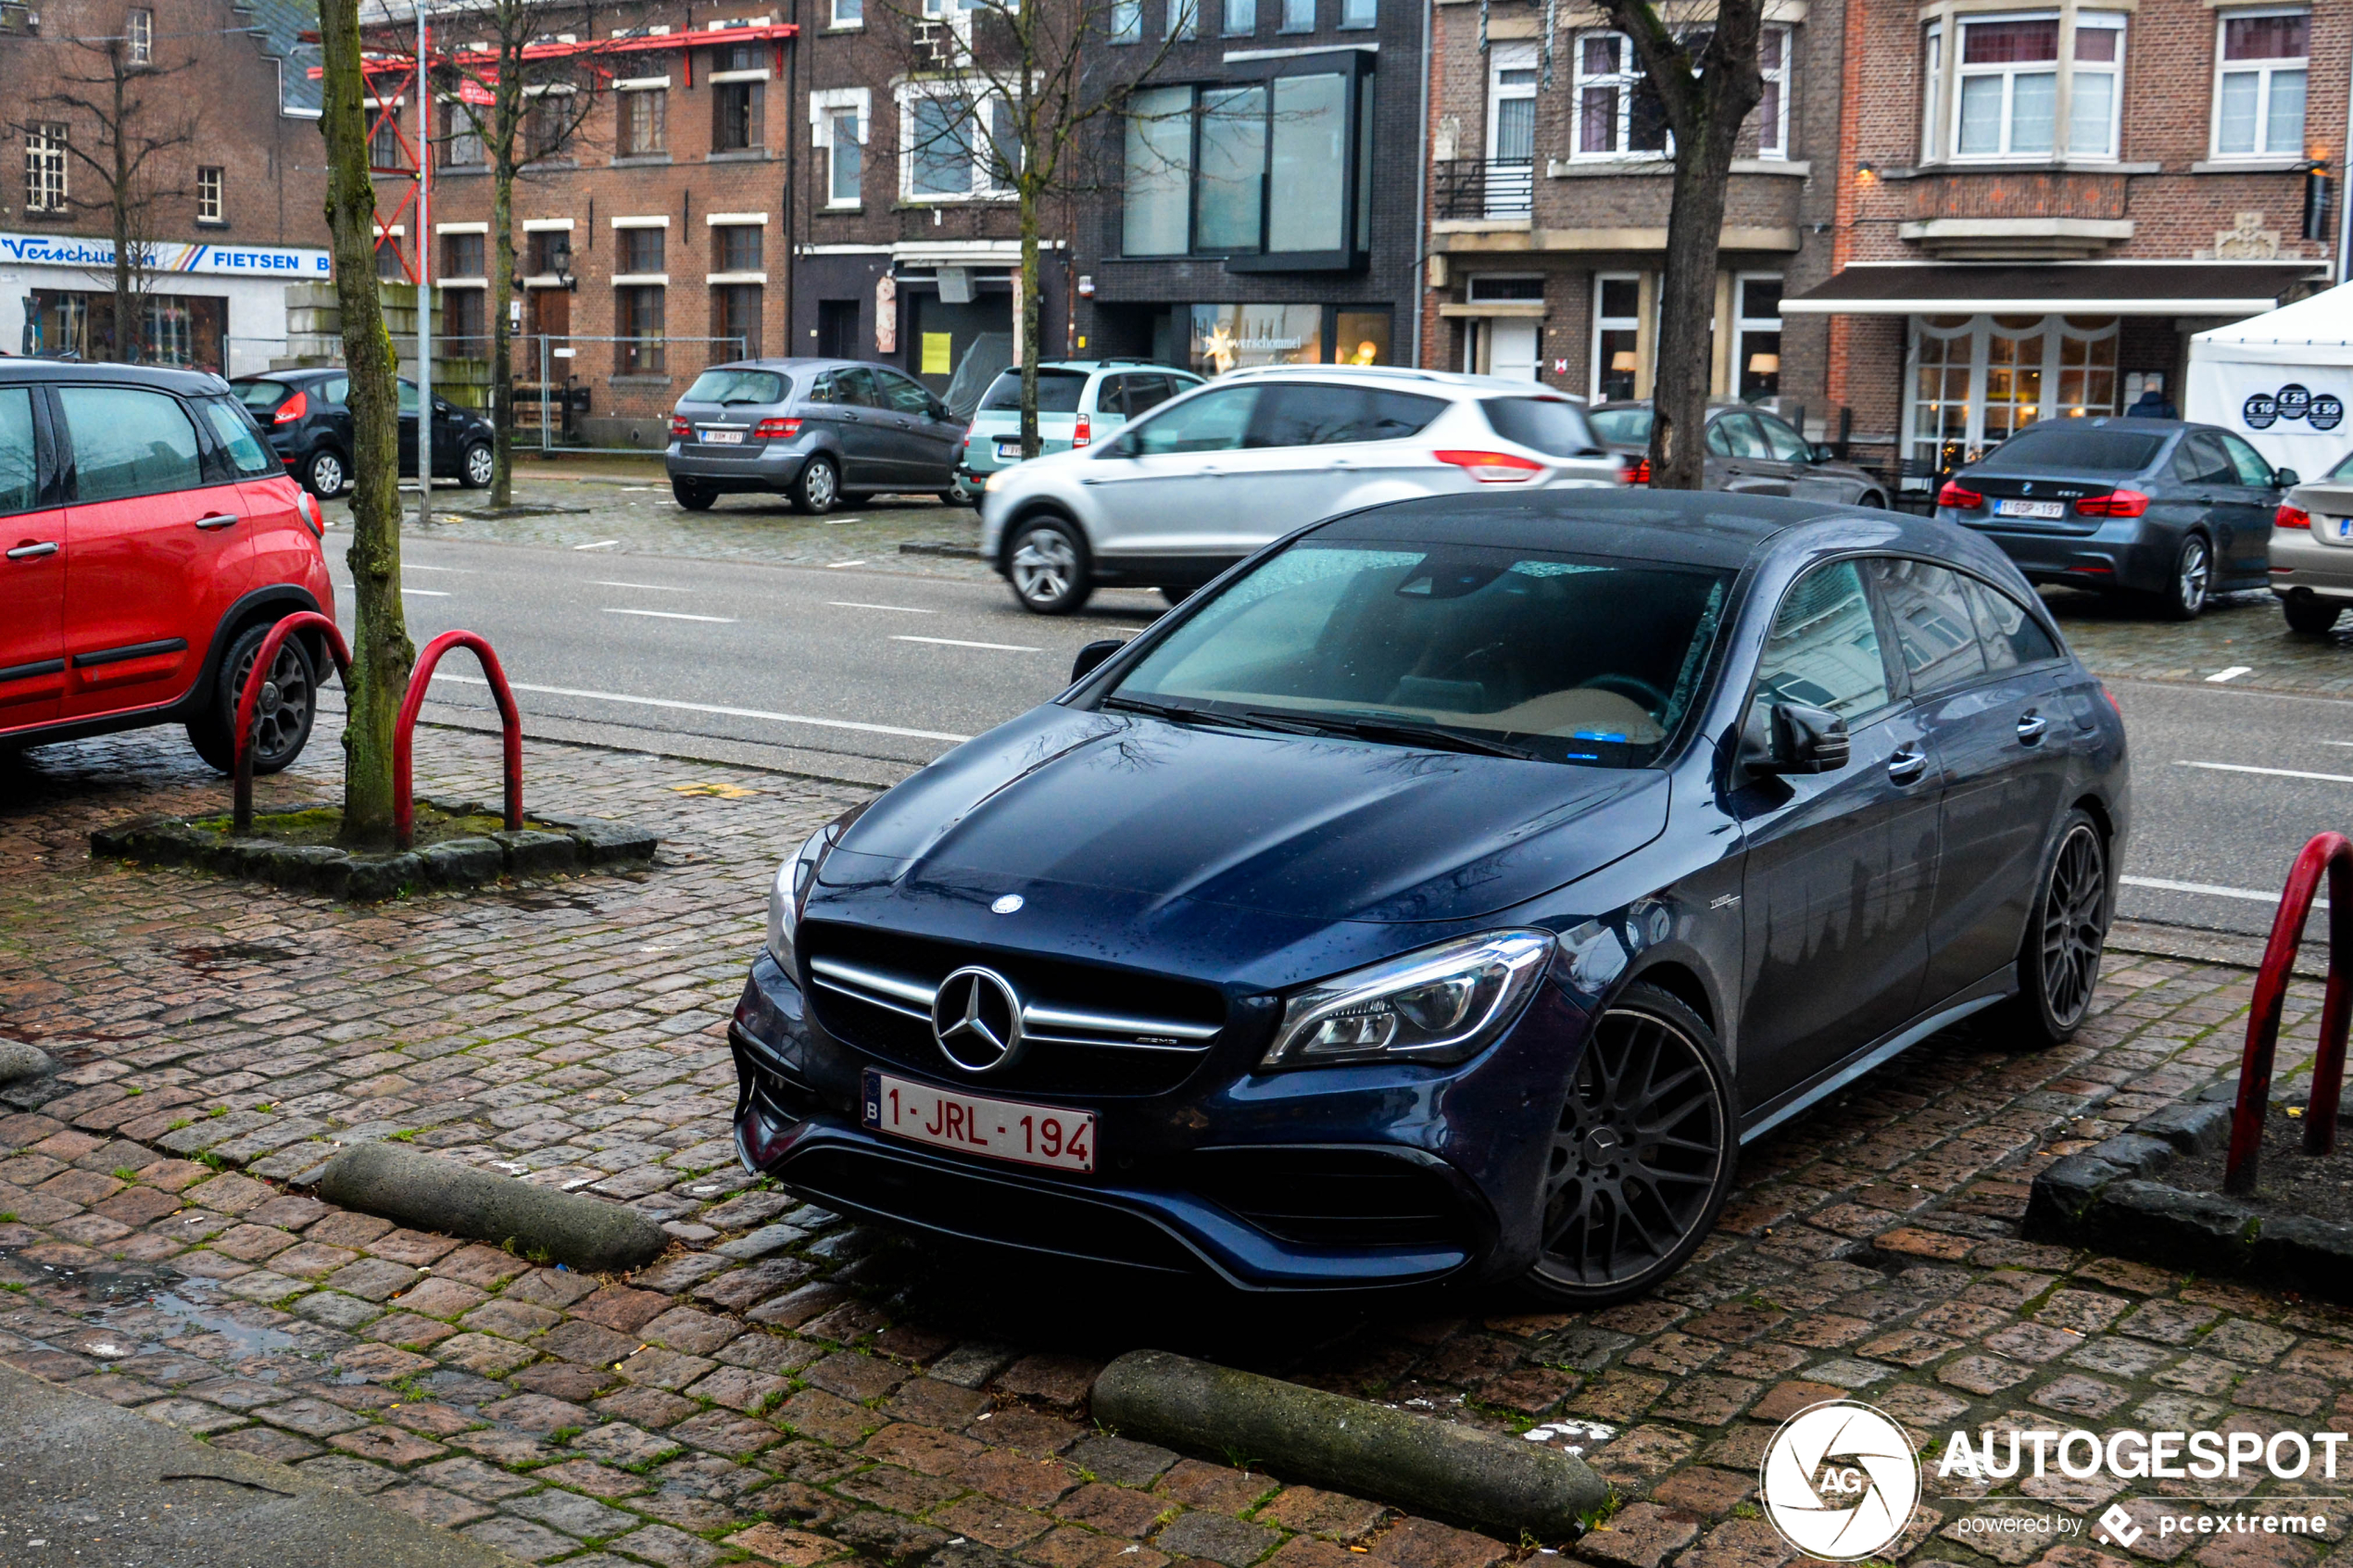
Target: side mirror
<point>939,410</point>
<point>1802,740</point>
<point>1821,452</point>
<point>1093,655</point>
<point>2287,479</point>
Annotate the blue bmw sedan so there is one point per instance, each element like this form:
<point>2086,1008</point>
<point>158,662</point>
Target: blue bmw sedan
<point>1446,891</point>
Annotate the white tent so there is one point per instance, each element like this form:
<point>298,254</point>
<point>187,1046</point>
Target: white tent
<point>2283,380</point>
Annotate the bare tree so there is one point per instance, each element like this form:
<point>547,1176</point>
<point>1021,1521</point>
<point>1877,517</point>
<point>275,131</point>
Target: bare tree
<point>132,130</point>
<point>1704,73</point>
<point>381,653</point>
<point>1013,77</point>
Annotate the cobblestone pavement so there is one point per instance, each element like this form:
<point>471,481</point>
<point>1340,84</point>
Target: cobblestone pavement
<point>797,1390</point>
<point>2239,631</point>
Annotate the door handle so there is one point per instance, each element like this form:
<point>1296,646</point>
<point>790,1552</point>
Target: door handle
<point>2031,727</point>
<point>217,521</point>
<point>30,552</point>
<point>1907,765</point>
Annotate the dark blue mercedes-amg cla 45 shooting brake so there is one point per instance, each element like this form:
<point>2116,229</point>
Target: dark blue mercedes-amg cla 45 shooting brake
<point>1446,891</point>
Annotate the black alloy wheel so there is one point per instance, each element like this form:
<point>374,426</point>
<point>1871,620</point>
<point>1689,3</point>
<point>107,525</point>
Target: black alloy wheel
<point>2065,936</point>
<point>2193,581</point>
<point>1643,1155</point>
<point>282,713</point>
<point>1046,566</point>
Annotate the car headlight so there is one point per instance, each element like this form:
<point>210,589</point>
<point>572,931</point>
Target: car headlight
<point>789,892</point>
<point>996,479</point>
<point>1442,1004</point>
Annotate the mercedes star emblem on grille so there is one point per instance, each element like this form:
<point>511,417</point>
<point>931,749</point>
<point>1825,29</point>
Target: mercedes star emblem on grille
<point>976,1016</point>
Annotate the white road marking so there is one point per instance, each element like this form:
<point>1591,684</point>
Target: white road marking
<point>427,592</point>
<point>650,587</point>
<point>837,566</point>
<point>838,522</point>
<point>673,615</point>
<point>853,604</point>
<point>1000,647</point>
<point>599,545</point>
<point>413,566</point>
<point>2270,773</point>
<point>2233,674</point>
<point>709,707</point>
<point>2247,894</point>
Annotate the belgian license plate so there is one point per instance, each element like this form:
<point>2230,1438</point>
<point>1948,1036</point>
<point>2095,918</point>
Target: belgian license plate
<point>2048,510</point>
<point>722,437</point>
<point>1009,451</point>
<point>999,1129</point>
<point>2344,527</point>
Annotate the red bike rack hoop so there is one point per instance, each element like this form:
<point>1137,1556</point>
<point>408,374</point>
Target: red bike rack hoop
<point>249,699</point>
<point>404,812</point>
<point>2331,852</point>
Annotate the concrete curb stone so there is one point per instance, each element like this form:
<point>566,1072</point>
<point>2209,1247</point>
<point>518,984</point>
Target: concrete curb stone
<point>427,1194</point>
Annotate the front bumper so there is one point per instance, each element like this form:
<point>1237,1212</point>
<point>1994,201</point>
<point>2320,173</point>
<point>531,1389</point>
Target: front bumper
<point>2117,554</point>
<point>1254,1181</point>
<point>2302,567</point>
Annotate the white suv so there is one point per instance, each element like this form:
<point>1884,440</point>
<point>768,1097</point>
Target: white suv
<point>1206,478</point>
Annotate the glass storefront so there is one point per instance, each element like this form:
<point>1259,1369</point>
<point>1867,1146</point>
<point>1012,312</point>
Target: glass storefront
<point>1975,380</point>
<point>1232,337</point>
<point>188,331</point>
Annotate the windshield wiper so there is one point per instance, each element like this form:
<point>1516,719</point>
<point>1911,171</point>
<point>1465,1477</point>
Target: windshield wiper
<point>1176,714</point>
<point>1417,734</point>
<point>1168,711</point>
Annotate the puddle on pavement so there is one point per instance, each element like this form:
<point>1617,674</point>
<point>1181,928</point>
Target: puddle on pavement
<point>235,953</point>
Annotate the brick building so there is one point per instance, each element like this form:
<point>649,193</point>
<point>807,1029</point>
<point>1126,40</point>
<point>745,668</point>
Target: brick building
<point>232,208</point>
<point>2037,204</point>
<point>1258,203</point>
<point>757,182</point>
<point>1550,181</point>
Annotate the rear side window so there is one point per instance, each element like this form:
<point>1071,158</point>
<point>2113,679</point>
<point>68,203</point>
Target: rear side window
<point>1623,427</point>
<point>2201,460</point>
<point>20,472</point>
<point>1787,445</point>
<point>1058,392</point>
<point>2010,636</point>
<point>2074,447</point>
<point>1823,650</point>
<point>237,435</point>
<point>737,386</point>
<point>1736,435</point>
<point>1935,625</point>
<point>1551,425</point>
<point>260,395</point>
<point>335,390</point>
<point>128,441</point>
<point>1325,415</point>
<point>2253,471</point>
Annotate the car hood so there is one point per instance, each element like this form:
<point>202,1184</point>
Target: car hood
<point>1300,827</point>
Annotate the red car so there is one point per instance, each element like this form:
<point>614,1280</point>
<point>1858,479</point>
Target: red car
<point>151,538</point>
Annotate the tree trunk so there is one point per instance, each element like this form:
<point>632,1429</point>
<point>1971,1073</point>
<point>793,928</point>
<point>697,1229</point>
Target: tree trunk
<point>1686,312</point>
<point>502,370</point>
<point>382,653</point>
<point>1028,325</point>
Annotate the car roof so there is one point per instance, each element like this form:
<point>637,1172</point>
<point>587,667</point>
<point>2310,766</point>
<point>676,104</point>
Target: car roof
<point>193,383</point>
<point>1102,365</point>
<point>1457,381</point>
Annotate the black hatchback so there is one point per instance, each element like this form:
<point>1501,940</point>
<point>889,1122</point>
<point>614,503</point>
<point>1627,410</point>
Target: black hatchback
<point>309,423</point>
<point>2172,511</point>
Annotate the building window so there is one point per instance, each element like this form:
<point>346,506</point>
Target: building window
<point>850,13</point>
<point>645,121</point>
<point>547,124</point>
<point>1126,21</point>
<point>1618,114</point>
<point>1359,12</point>
<point>1299,16</point>
<point>947,155</point>
<point>1184,19</point>
<point>1159,172</point>
<point>139,37</point>
<point>736,246</point>
<point>547,252</point>
<point>461,144</point>
<point>389,265</point>
<point>1756,338</point>
<point>2259,88</point>
<point>465,333</point>
<point>735,110</point>
<point>1976,381</point>
<point>45,166</point>
<point>384,142</point>
<point>210,197</point>
<point>637,322</point>
<point>1617,336</point>
<point>1772,109</point>
<point>641,251</point>
<point>2006,87</point>
<point>1220,170</point>
<point>1931,90</point>
<point>735,320</point>
<point>1229,186</point>
<point>845,165</point>
<point>461,255</point>
<point>1242,18</point>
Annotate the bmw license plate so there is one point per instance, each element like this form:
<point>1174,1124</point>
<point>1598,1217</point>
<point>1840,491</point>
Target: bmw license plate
<point>2344,527</point>
<point>1009,451</point>
<point>722,437</point>
<point>999,1129</point>
<point>2048,510</point>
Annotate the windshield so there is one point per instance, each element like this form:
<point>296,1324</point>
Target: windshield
<point>1541,655</point>
<point>1623,427</point>
<point>2072,447</point>
<point>260,395</point>
<point>737,386</point>
<point>1057,391</point>
<point>1551,425</point>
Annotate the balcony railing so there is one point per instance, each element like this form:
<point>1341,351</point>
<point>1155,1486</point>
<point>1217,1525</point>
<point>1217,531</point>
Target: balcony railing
<point>1475,188</point>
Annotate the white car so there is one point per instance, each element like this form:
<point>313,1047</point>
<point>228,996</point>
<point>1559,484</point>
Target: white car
<point>1203,480</point>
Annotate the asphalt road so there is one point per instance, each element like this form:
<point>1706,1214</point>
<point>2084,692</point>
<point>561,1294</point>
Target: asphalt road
<point>858,671</point>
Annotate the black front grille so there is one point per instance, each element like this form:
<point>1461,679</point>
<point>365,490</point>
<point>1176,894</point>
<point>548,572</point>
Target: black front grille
<point>1048,1066</point>
<point>1333,1196</point>
<point>890,1187</point>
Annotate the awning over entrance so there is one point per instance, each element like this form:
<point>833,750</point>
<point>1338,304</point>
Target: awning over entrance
<point>2088,288</point>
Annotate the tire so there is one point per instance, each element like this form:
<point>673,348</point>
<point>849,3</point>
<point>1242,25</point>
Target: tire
<point>2192,582</point>
<point>1873,499</point>
<point>816,487</point>
<point>694,498</point>
<point>1046,562</point>
<point>477,465</point>
<point>1621,1210</point>
<point>325,474</point>
<point>286,710</point>
<point>2314,618</point>
<point>2059,963</point>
